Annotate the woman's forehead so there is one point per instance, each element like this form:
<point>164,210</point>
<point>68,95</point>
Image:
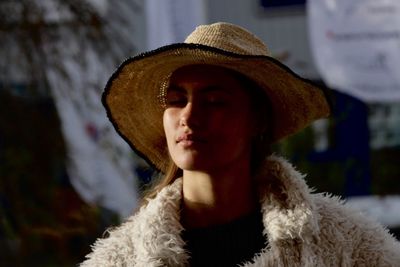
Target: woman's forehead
<point>200,89</point>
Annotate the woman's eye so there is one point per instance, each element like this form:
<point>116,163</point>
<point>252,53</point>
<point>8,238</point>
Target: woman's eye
<point>175,100</point>
<point>215,101</point>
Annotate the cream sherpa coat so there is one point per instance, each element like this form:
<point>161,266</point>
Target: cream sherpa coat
<point>303,229</point>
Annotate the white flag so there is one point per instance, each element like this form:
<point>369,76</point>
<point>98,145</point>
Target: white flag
<point>356,46</point>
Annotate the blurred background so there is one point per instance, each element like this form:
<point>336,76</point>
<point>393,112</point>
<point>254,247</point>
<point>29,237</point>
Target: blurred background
<point>66,176</point>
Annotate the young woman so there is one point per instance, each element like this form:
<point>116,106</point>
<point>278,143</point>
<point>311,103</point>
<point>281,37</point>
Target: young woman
<point>204,113</point>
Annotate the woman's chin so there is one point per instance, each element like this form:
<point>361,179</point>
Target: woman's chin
<point>192,164</point>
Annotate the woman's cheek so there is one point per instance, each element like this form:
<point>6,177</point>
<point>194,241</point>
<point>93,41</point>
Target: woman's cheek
<point>168,126</point>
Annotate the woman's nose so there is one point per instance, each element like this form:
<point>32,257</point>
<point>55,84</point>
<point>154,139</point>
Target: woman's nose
<point>189,116</point>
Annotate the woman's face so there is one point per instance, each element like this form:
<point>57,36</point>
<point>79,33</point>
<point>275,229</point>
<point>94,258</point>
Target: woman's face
<point>208,120</point>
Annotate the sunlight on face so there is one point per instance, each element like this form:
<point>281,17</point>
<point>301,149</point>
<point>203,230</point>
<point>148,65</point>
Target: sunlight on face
<point>208,120</point>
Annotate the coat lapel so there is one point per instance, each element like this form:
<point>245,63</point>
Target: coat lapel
<point>158,230</point>
<point>287,207</point>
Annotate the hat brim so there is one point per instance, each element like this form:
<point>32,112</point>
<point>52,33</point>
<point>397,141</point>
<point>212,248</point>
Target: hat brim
<point>131,96</point>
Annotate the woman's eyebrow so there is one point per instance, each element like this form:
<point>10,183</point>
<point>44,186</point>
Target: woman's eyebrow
<point>176,88</point>
<point>215,88</point>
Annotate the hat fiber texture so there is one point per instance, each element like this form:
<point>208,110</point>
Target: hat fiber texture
<point>134,94</point>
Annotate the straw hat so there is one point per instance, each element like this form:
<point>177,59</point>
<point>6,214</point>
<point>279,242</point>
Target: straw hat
<point>134,94</point>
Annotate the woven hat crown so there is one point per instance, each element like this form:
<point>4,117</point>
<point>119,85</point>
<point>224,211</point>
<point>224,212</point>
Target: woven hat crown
<point>132,95</point>
<point>228,37</point>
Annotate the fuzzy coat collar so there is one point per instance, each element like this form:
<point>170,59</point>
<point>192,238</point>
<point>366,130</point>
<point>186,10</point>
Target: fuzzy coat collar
<point>288,214</point>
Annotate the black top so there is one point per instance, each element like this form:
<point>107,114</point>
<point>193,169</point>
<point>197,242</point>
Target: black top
<point>228,244</point>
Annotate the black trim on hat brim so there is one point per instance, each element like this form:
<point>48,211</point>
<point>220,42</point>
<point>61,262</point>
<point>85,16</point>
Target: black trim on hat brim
<point>193,46</point>
<point>210,49</point>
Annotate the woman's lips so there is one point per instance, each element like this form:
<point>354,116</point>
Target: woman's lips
<point>186,143</point>
<point>188,140</point>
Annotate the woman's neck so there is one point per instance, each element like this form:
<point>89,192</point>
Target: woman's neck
<point>217,197</point>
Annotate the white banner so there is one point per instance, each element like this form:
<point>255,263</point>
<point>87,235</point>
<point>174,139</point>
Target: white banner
<point>356,46</point>
<point>100,164</point>
<point>170,21</point>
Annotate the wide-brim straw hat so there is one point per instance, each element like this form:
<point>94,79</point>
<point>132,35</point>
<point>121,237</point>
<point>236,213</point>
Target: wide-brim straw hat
<point>133,96</point>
